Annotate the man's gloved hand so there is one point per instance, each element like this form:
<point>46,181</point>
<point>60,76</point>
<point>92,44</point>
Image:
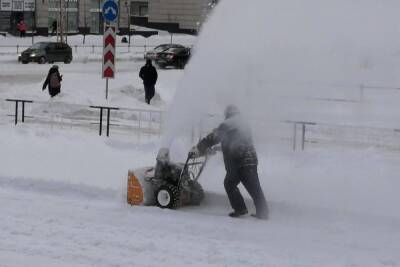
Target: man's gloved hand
<point>214,150</point>
<point>194,151</point>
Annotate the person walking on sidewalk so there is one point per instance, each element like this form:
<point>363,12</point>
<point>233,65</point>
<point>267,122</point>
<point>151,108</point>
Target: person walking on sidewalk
<point>53,81</point>
<point>148,74</point>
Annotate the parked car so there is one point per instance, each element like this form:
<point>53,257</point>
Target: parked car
<point>43,52</point>
<point>177,57</point>
<point>160,48</point>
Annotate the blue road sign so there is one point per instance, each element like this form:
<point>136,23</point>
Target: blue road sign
<point>110,10</point>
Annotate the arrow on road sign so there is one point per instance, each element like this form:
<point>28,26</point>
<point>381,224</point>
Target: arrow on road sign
<point>110,10</point>
<point>109,56</point>
<point>108,72</point>
<point>110,40</point>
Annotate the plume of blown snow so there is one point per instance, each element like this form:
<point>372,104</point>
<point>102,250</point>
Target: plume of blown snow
<point>267,56</point>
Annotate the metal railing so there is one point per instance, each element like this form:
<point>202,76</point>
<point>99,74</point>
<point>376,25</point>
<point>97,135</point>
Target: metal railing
<point>300,135</point>
<point>68,115</point>
<point>91,48</point>
<point>151,123</point>
<point>320,133</point>
<point>303,125</point>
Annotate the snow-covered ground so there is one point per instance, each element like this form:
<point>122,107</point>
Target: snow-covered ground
<point>63,204</point>
<point>63,187</point>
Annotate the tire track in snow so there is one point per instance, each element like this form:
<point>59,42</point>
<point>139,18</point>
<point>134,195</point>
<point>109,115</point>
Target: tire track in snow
<point>58,188</point>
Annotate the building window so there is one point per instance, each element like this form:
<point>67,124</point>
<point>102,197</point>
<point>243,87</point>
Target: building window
<point>29,20</point>
<point>139,9</point>
<point>95,5</point>
<point>70,9</point>
<point>95,16</point>
<point>95,22</point>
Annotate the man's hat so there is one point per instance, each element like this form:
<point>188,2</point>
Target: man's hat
<point>231,110</point>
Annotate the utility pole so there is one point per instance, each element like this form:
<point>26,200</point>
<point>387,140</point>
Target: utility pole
<point>129,25</point>
<point>61,24</point>
<point>84,20</point>
<point>67,19</point>
<point>34,10</point>
<point>66,23</point>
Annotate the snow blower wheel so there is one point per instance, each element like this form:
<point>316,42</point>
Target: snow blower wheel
<point>167,197</point>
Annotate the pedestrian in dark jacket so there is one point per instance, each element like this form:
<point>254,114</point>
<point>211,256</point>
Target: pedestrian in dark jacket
<point>54,27</point>
<point>240,159</point>
<point>149,75</point>
<point>53,81</point>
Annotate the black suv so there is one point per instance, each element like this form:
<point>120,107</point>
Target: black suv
<point>43,52</point>
<point>175,56</point>
<point>152,54</point>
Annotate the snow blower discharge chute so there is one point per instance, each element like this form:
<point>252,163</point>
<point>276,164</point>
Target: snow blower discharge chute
<point>168,185</point>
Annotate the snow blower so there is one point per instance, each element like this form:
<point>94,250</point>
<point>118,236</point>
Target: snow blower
<point>168,185</point>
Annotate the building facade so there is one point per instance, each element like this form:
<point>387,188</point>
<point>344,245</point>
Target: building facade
<point>172,15</point>
<point>13,11</point>
<point>84,16</point>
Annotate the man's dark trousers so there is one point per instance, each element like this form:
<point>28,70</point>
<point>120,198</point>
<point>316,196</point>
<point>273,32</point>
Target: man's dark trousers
<point>248,176</point>
<point>149,91</point>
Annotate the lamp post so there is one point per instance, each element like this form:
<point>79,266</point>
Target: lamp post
<point>99,16</point>
<point>59,26</point>
<point>129,25</point>
<point>33,10</point>
<point>62,9</point>
<point>66,23</point>
<point>84,20</point>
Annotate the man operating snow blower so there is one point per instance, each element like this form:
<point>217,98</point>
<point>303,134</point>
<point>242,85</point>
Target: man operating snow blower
<point>240,161</point>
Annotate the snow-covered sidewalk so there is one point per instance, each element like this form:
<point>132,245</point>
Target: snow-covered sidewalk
<point>54,213</point>
<point>69,228</point>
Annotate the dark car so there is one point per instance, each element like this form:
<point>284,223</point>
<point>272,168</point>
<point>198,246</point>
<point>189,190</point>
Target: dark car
<point>160,48</point>
<point>43,52</point>
<point>176,57</point>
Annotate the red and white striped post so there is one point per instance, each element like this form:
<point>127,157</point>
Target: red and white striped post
<point>109,54</point>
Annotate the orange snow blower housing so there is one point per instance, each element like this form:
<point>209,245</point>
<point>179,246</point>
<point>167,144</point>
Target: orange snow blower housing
<point>135,192</point>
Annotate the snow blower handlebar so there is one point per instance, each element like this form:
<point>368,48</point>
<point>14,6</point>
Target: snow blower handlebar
<point>197,161</point>
<point>195,152</point>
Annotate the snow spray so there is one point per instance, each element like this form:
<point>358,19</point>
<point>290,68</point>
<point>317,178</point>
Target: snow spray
<point>269,56</point>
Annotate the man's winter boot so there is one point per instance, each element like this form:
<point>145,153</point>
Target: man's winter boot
<point>236,214</point>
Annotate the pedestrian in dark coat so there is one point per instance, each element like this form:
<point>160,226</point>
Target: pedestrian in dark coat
<point>54,27</point>
<point>240,159</point>
<point>53,81</point>
<point>148,74</point>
